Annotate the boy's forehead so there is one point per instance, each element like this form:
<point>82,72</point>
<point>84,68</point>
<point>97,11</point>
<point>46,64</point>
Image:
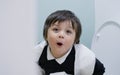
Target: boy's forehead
<point>63,22</point>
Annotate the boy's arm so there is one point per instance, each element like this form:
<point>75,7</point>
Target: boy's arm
<point>37,54</point>
<point>99,68</point>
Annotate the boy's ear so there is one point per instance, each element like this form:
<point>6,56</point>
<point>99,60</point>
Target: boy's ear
<point>77,42</point>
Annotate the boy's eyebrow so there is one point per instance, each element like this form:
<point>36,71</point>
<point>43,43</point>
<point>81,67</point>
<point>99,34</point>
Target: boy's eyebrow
<point>70,26</point>
<point>55,25</point>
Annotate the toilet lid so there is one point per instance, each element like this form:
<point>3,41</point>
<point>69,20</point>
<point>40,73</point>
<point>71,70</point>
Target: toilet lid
<point>106,45</point>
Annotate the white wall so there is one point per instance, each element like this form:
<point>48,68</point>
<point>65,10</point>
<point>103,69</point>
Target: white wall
<point>17,36</point>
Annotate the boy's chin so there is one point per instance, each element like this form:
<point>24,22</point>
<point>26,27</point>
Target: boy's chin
<point>59,73</point>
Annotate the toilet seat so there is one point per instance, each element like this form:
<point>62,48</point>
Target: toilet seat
<point>106,45</point>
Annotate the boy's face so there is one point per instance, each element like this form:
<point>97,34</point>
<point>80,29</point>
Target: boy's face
<point>60,37</point>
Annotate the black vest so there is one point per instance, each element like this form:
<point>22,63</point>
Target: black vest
<point>51,66</point>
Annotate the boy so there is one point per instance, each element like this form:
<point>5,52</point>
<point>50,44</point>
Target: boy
<point>61,53</point>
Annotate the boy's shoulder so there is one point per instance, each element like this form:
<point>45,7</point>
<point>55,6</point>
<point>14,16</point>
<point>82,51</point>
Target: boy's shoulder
<point>39,48</point>
<point>41,45</point>
<point>85,59</point>
<point>83,50</point>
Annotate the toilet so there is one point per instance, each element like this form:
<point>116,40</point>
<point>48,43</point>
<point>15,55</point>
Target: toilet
<point>106,46</point>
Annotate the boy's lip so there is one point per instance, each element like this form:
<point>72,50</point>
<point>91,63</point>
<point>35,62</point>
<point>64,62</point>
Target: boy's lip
<point>59,43</point>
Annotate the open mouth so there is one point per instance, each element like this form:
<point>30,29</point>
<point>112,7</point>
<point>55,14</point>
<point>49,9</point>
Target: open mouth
<point>59,44</point>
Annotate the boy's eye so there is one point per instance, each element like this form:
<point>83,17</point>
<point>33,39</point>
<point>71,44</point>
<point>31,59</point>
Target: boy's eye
<point>55,29</point>
<point>69,32</point>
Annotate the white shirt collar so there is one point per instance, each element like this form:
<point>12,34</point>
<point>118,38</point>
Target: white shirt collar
<point>59,60</point>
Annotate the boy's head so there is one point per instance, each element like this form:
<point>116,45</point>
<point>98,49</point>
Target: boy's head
<point>61,16</point>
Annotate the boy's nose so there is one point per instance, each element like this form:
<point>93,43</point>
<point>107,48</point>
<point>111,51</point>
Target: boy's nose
<point>61,35</point>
